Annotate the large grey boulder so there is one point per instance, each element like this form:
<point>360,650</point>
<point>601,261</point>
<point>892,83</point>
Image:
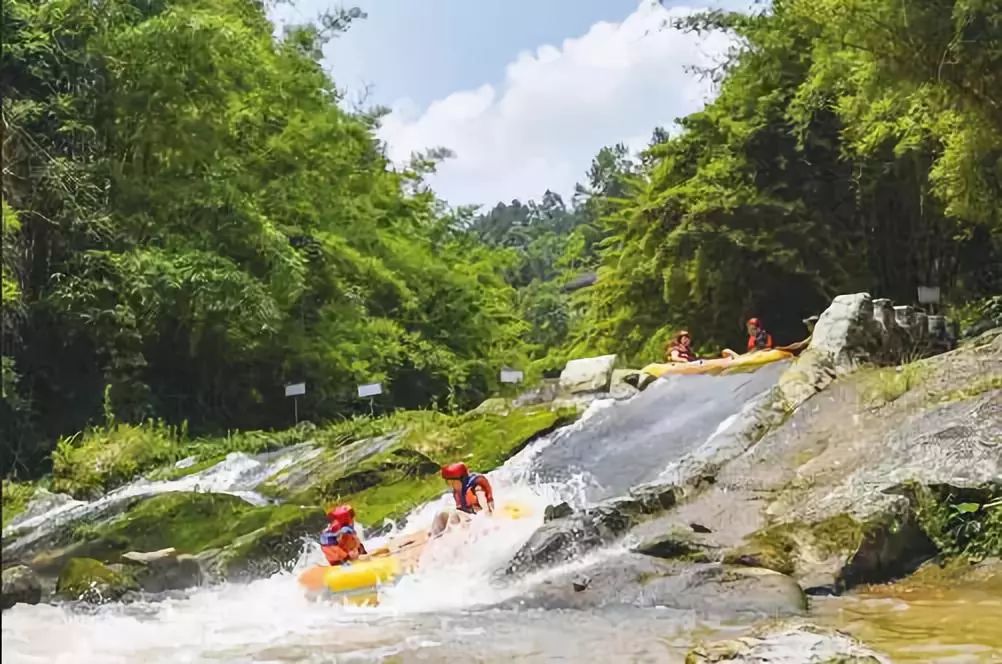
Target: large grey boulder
<point>847,332</point>
<point>20,586</point>
<point>643,581</point>
<point>855,330</point>
<point>589,374</point>
<point>568,534</point>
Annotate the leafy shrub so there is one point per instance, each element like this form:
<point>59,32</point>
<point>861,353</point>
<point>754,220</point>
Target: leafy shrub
<point>963,523</point>
<point>15,498</point>
<point>102,458</point>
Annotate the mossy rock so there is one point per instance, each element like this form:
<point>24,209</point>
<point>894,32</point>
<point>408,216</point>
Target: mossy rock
<point>192,523</point>
<point>399,464</point>
<point>841,549</point>
<point>93,581</point>
<point>782,546</point>
<point>771,549</point>
<point>272,547</point>
<point>304,482</point>
<point>404,475</point>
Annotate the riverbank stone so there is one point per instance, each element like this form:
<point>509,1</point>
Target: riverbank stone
<point>20,586</point>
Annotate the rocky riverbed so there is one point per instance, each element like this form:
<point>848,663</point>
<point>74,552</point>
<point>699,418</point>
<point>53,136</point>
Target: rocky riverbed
<point>741,498</point>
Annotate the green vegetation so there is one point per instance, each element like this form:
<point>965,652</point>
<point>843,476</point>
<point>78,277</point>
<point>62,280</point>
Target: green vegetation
<point>986,311</point>
<point>15,498</point>
<point>963,523</point>
<point>89,579</point>
<point>979,386</point>
<point>100,459</point>
<point>390,484</point>
<point>882,386</point>
<point>194,522</point>
<point>209,224</point>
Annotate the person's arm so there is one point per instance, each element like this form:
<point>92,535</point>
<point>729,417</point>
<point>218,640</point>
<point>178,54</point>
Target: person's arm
<point>484,487</point>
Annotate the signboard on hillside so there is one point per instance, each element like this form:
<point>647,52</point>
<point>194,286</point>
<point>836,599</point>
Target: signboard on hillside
<point>295,389</point>
<point>928,294</point>
<point>370,390</point>
<point>509,375</point>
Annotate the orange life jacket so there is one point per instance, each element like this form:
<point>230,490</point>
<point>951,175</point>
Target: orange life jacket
<point>341,544</point>
<point>466,497</point>
<point>761,340</point>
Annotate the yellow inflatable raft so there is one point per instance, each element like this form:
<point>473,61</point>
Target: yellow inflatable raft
<point>398,557</point>
<point>749,360</point>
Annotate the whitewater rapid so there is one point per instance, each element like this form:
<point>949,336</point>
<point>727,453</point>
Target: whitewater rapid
<point>272,619</point>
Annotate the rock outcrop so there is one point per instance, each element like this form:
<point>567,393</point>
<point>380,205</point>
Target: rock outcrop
<point>825,496</point>
<point>857,330</point>
<point>621,578</point>
<point>589,374</point>
<point>572,534</point>
<point>20,586</point>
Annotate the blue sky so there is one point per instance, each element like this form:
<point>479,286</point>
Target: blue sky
<point>525,92</point>
<point>425,49</point>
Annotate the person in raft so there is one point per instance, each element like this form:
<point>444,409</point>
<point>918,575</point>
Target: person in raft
<point>758,339</point>
<point>471,491</point>
<point>680,349</point>
<point>339,541</point>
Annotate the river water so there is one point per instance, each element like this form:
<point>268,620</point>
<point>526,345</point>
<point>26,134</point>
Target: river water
<point>444,611</point>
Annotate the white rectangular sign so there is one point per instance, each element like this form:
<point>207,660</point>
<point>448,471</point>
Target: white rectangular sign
<point>928,294</point>
<point>511,375</point>
<point>370,390</point>
<point>295,390</point>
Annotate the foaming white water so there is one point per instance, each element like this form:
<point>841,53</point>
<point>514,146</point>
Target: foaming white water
<point>457,570</point>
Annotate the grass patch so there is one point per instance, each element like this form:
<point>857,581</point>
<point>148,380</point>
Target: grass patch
<point>980,386</point>
<point>483,441</point>
<point>883,386</point>
<point>170,473</point>
<point>16,496</point>
<point>99,459</point>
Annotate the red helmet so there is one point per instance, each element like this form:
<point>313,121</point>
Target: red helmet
<point>755,322</point>
<point>455,471</point>
<point>342,514</point>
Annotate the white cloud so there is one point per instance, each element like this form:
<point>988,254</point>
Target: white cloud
<point>557,107</point>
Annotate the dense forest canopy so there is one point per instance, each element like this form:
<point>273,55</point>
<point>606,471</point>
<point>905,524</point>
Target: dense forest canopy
<point>193,219</point>
<point>202,223</point>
